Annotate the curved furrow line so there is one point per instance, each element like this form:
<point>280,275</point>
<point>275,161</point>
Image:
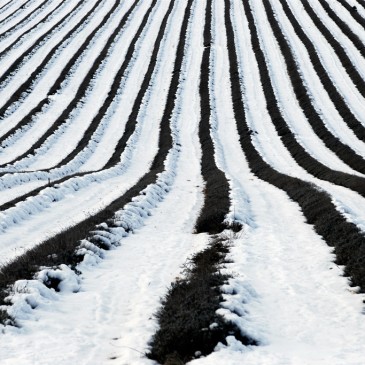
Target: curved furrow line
<point>18,61</point>
<point>45,130</point>
<point>298,152</point>
<point>126,176</point>
<point>338,28</point>
<point>267,141</point>
<point>290,109</point>
<point>325,63</point>
<point>316,205</point>
<point>6,6</point>
<point>15,180</point>
<point>352,18</point>
<point>177,212</point>
<point>343,26</point>
<point>28,17</point>
<point>348,61</point>
<point>27,95</point>
<point>155,184</point>
<point>112,63</point>
<point>353,12</point>
<point>216,201</point>
<point>269,144</point>
<point>13,13</point>
<point>220,119</point>
<point>12,37</point>
<point>361,2</point>
<point>95,131</point>
<point>302,90</point>
<point>54,74</point>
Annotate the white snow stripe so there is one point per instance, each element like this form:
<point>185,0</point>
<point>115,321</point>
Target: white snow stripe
<point>290,108</point>
<point>266,141</point>
<point>9,37</point>
<point>99,192</point>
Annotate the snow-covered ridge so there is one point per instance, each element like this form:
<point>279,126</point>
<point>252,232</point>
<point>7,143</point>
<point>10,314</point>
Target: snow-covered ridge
<point>286,289</point>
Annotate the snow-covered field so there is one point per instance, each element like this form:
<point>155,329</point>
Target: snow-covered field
<point>101,103</point>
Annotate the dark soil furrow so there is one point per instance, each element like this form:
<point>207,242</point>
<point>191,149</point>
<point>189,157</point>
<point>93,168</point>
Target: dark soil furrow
<point>111,95</point>
<point>26,86</point>
<point>300,155</point>
<point>11,70</point>
<point>336,45</point>
<point>130,125</point>
<point>361,2</point>
<point>44,19</point>
<point>11,15</point>
<point>316,205</point>
<point>38,9</point>
<point>353,11</point>
<point>216,200</point>
<point>82,89</point>
<point>354,38</point>
<point>343,151</point>
<point>61,248</point>
<point>5,6</point>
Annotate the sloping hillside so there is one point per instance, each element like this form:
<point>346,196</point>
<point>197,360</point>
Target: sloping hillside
<point>182,181</point>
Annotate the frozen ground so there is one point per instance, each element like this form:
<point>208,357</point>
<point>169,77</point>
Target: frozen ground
<point>286,291</point>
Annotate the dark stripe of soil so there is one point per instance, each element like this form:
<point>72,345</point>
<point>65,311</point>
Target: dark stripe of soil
<point>354,38</point>
<point>83,87</point>
<point>23,88</point>
<point>298,152</point>
<point>337,99</point>
<point>111,95</point>
<point>343,151</point>
<point>316,205</point>
<point>353,11</point>
<point>361,2</point>
<point>216,193</point>
<point>25,20</point>
<point>57,84</point>
<point>22,7</point>
<point>22,58</point>
<point>7,5</point>
<point>61,248</point>
<point>336,45</point>
<point>189,309</point>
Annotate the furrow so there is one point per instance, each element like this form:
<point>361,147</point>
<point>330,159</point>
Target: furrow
<point>350,65</point>
<point>305,160</point>
<point>13,12</point>
<point>268,142</point>
<point>84,108</point>
<point>19,22</point>
<point>11,37</point>
<point>123,176</point>
<point>361,2</point>
<point>343,151</point>
<point>344,27</point>
<point>14,63</point>
<point>116,108</point>
<point>316,205</point>
<point>216,202</point>
<point>291,109</point>
<point>19,92</point>
<point>354,14</point>
<point>6,6</point>
<point>154,184</point>
<point>346,97</point>
<point>62,79</point>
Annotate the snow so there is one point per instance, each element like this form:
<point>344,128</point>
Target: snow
<point>292,296</point>
<point>285,290</point>
<point>117,300</point>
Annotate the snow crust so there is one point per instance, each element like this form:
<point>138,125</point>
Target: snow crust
<point>286,292</point>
